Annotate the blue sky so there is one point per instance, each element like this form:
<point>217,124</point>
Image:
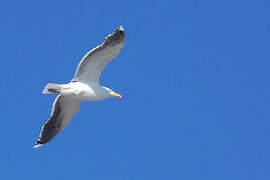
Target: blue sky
<point>194,76</point>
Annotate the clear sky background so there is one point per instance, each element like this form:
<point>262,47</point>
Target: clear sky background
<point>194,76</point>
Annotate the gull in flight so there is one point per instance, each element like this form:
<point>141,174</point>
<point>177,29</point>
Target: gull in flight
<point>83,87</point>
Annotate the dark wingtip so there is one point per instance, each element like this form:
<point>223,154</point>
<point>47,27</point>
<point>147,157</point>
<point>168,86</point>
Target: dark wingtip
<point>118,36</point>
<point>37,145</point>
<point>120,29</point>
<point>40,143</point>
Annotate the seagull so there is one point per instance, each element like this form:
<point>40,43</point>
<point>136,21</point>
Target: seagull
<point>83,87</point>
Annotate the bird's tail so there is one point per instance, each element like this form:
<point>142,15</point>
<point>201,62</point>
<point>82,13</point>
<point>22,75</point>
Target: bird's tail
<point>52,88</point>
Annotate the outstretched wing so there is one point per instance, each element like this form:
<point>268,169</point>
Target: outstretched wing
<point>64,108</point>
<point>92,64</point>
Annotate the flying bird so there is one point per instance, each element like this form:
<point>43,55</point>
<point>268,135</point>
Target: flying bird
<point>83,87</point>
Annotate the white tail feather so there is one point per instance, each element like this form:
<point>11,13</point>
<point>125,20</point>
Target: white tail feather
<point>52,88</point>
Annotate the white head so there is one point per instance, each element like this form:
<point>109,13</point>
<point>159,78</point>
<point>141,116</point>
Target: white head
<point>111,93</point>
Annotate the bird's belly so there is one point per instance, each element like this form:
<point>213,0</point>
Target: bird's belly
<point>91,98</point>
<point>82,92</point>
<point>85,95</point>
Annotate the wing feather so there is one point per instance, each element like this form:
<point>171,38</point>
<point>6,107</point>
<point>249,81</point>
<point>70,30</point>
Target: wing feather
<point>64,108</point>
<point>92,64</point>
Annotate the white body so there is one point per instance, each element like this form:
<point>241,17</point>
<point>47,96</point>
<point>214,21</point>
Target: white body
<point>84,92</point>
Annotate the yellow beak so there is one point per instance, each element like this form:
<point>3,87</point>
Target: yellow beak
<point>117,95</point>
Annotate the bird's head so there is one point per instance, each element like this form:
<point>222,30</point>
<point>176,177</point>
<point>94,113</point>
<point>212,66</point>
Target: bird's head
<point>112,93</point>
